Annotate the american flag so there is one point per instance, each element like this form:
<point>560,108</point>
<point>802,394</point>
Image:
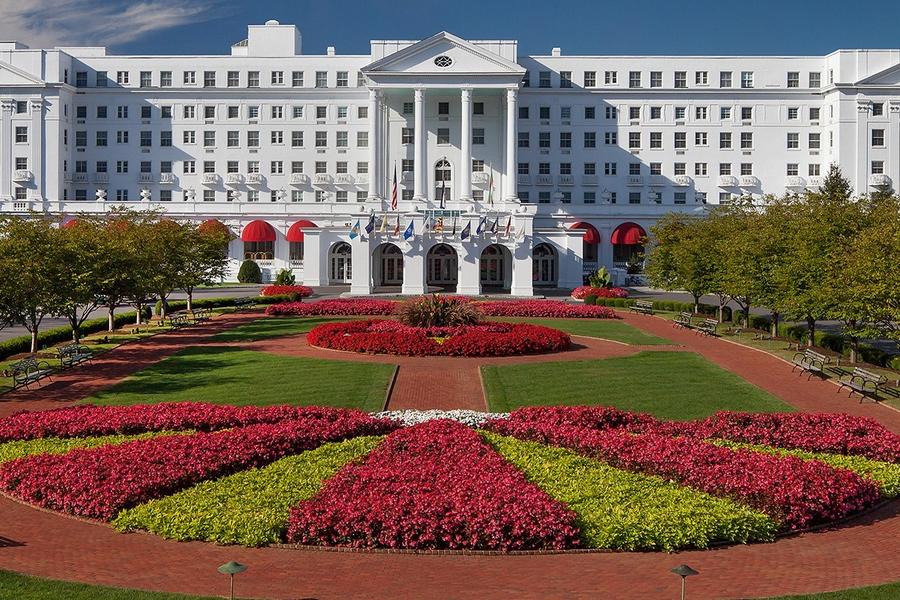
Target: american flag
<point>394,190</point>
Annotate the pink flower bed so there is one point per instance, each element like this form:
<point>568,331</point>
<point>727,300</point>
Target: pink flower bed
<point>87,420</point>
<point>544,308</point>
<point>580,293</point>
<point>588,417</point>
<point>796,493</point>
<point>484,339</point>
<point>819,432</point>
<point>300,291</point>
<point>339,307</point>
<point>433,486</point>
<point>99,482</point>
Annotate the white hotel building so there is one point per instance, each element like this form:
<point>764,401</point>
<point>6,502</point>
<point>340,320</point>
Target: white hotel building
<point>573,157</point>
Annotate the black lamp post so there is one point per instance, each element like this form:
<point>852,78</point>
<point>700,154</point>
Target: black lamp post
<point>684,572</point>
<point>231,569</point>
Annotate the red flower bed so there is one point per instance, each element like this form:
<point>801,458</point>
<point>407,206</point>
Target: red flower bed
<point>339,307</point>
<point>87,420</point>
<point>544,308</point>
<point>588,417</point>
<point>580,293</point>
<point>821,432</point>
<point>436,485</point>
<point>100,482</point>
<point>299,291</point>
<point>484,339</point>
<point>795,492</point>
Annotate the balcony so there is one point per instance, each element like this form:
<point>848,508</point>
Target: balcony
<point>682,180</point>
<point>544,180</point>
<point>727,181</point>
<point>795,182</point>
<point>233,179</point>
<point>322,179</point>
<point>101,177</point>
<point>145,177</point>
<point>299,179</point>
<point>481,177</point>
<point>209,178</point>
<point>749,181</point>
<point>523,179</point>
<point>814,183</point>
<point>254,179</point>
<point>22,175</point>
<point>79,177</point>
<point>634,180</point>
<point>344,179</point>
<point>880,180</point>
<point>566,180</point>
<point>589,180</point>
<point>167,178</point>
<point>362,179</point>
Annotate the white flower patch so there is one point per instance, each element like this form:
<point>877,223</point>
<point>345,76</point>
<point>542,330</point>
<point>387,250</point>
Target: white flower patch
<point>471,418</point>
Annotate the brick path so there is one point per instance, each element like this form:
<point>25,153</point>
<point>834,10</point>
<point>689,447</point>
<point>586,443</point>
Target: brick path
<point>47,544</point>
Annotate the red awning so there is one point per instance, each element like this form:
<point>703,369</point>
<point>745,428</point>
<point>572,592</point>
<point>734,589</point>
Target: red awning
<point>213,226</point>
<point>258,231</point>
<point>628,234</point>
<point>591,235</point>
<point>295,233</point>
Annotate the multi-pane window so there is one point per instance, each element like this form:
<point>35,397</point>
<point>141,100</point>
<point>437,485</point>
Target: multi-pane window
<point>478,108</point>
<point>407,135</point>
<point>815,79</point>
<point>725,79</point>
<point>746,113</point>
<point>544,79</point>
<point>297,139</point>
<point>187,137</point>
<point>656,140</point>
<point>792,169</point>
<point>656,79</point>
<point>701,77</point>
<point>297,78</point>
<point>634,79</point>
<point>321,79</point>
<point>122,112</point>
<point>746,168</point>
<point>700,113</point>
<point>877,137</point>
<point>634,139</point>
<point>610,77</point>
<point>146,79</point>
<point>253,139</point>
<point>277,137</point>
<point>815,141</point>
<point>793,79</point>
<point>233,79</point>
<point>544,113</point>
<point>746,79</point>
<point>814,113</point>
<point>814,170</point>
<point>544,139</point>
<point>701,138</point>
<point>524,139</point>
<point>165,138</point>
<point>609,168</point>
<point>590,79</point>
<point>253,79</point>
<point>877,167</point>
<point>725,140</point>
<point>634,113</point>
<point>724,168</point>
<point>655,112</point>
<point>793,141</point>
<point>321,139</point>
<point>746,140</point>
<point>80,139</point>
<point>341,139</point>
<point>102,79</point>
<point>611,112</point>
<point>590,139</point>
<point>343,79</point>
<point>362,139</point>
<point>209,139</point>
<point>146,139</point>
<point>277,78</point>
<point>478,136</point>
<point>523,112</point>
<point>700,169</point>
<point>209,79</point>
<point>680,112</point>
<point>565,139</point>
<point>610,138</point>
<point>277,111</point>
<point>101,112</point>
<point>443,108</point>
<point>565,79</point>
<point>634,197</point>
<point>724,112</point>
<point>680,140</point>
<point>145,112</point>
<point>233,139</point>
<point>877,109</point>
<point>792,113</point>
<point>680,79</point>
<point>122,77</point>
<point>590,112</point>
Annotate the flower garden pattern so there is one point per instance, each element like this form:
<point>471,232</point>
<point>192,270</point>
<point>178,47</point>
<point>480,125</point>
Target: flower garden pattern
<point>544,478</point>
<point>492,308</point>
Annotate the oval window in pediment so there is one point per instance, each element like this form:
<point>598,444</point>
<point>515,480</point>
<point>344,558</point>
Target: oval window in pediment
<point>443,61</point>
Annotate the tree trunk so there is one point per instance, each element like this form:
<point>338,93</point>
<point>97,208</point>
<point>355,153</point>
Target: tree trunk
<point>139,306</point>
<point>111,317</point>
<point>747,315</point>
<point>696,302</point>
<point>811,326</point>
<point>162,308</point>
<point>190,299</point>
<point>34,340</point>
<point>774,324</point>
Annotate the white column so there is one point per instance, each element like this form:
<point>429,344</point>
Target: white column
<point>465,145</point>
<point>6,137</point>
<point>419,166</point>
<point>509,188</point>
<point>37,147</point>
<point>374,142</point>
<point>361,280</point>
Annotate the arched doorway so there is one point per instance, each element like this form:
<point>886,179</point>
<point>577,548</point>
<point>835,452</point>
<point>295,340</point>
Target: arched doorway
<point>387,260</point>
<point>442,264</point>
<point>543,265</point>
<point>495,270</point>
<point>443,180</point>
<point>628,246</point>
<point>340,264</point>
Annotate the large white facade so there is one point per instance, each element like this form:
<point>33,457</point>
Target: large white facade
<point>564,160</point>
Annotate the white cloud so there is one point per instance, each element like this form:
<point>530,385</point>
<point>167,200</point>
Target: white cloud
<point>50,23</point>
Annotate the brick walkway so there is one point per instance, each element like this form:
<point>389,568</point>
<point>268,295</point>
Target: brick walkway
<point>47,544</point>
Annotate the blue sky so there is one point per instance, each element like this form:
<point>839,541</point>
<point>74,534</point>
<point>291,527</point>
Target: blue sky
<point>600,27</point>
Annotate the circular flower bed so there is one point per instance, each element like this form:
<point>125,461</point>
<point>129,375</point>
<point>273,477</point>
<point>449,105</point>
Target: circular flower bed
<point>482,339</point>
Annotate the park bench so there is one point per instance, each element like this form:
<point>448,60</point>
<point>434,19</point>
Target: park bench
<point>241,303</point>
<point>202,315</point>
<point>179,320</point>
<point>73,354</point>
<point>810,361</point>
<point>29,370</point>
<point>643,307</point>
<point>706,327</point>
<point>863,382</point>
<point>684,320</point>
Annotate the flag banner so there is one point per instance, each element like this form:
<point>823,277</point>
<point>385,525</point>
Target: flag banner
<point>383,226</point>
<point>520,233</point>
<point>453,232</point>
<point>370,226</point>
<point>409,230</point>
<point>494,225</point>
<point>464,234</point>
<point>354,231</point>
<point>439,225</point>
<point>427,226</point>
<point>397,226</point>
<point>491,186</point>
<point>394,190</point>
<point>508,226</point>
<point>443,191</point>
<point>480,229</point>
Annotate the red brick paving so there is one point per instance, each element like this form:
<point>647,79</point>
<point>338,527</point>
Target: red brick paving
<point>859,554</point>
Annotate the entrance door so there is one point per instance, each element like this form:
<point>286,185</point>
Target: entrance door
<point>543,265</point>
<point>442,265</point>
<point>340,264</point>
<point>492,267</point>
<point>391,265</point>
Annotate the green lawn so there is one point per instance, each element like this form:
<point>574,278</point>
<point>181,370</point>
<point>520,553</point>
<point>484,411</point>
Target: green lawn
<point>234,376</point>
<point>879,592</point>
<point>269,327</point>
<point>670,385</point>
<point>609,329</point>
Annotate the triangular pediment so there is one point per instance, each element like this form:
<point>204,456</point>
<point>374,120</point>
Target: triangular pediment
<point>464,58</point>
<point>13,76</point>
<point>888,77</point>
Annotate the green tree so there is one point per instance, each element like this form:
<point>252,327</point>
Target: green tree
<point>679,258</point>
<point>81,273</point>
<point>835,186</point>
<point>206,257</point>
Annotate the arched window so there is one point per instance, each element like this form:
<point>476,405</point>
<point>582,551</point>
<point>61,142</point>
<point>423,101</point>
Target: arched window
<point>443,177</point>
<point>340,262</point>
<point>543,265</point>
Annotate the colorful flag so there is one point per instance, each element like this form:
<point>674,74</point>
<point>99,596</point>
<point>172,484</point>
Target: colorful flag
<point>491,186</point>
<point>370,226</point>
<point>427,227</point>
<point>409,230</point>
<point>394,190</point>
<point>494,225</point>
<point>439,226</point>
<point>443,191</point>
<point>508,226</point>
<point>454,227</point>
<point>520,234</point>
<point>383,226</point>
<point>480,229</point>
<point>466,231</point>
<point>354,231</point>
<point>397,226</point>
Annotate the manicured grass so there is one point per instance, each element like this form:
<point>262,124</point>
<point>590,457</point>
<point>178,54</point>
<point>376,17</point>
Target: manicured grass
<point>670,385</point>
<point>609,329</point>
<point>25,587</point>
<point>234,376</point>
<point>269,327</point>
<point>889,591</point>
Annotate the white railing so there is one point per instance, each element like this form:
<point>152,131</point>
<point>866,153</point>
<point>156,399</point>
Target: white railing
<point>101,177</point>
<point>233,179</point>
<point>322,179</point>
<point>22,175</point>
<point>634,180</point>
<point>299,179</point>
<point>544,180</point>
<point>80,177</point>
<point>362,179</point>
<point>728,181</point>
<point>145,177</point>
<point>879,180</point>
<point>682,180</point>
<point>344,179</point>
<point>794,181</point>
<point>523,179</point>
<point>749,181</point>
<point>480,177</point>
<point>254,179</point>
<point>566,180</point>
<point>167,178</point>
<point>814,183</point>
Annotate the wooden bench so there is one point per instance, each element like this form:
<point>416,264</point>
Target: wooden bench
<point>707,327</point>
<point>863,382</point>
<point>179,321</point>
<point>684,319</point>
<point>810,361</point>
<point>642,306</point>
<point>242,303</point>
<point>29,370</point>
<point>202,315</point>
<point>73,354</point>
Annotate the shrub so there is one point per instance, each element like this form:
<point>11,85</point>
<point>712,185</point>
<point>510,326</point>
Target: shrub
<point>590,300</point>
<point>249,272</point>
<point>600,278</point>
<point>667,516</point>
<point>284,277</point>
<point>433,486</point>
<point>894,363</point>
<point>436,311</point>
<point>218,302</point>
<point>250,508</point>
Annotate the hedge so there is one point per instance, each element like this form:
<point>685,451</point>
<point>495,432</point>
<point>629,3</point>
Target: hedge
<point>667,305</point>
<point>51,337</point>
<point>175,305</point>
